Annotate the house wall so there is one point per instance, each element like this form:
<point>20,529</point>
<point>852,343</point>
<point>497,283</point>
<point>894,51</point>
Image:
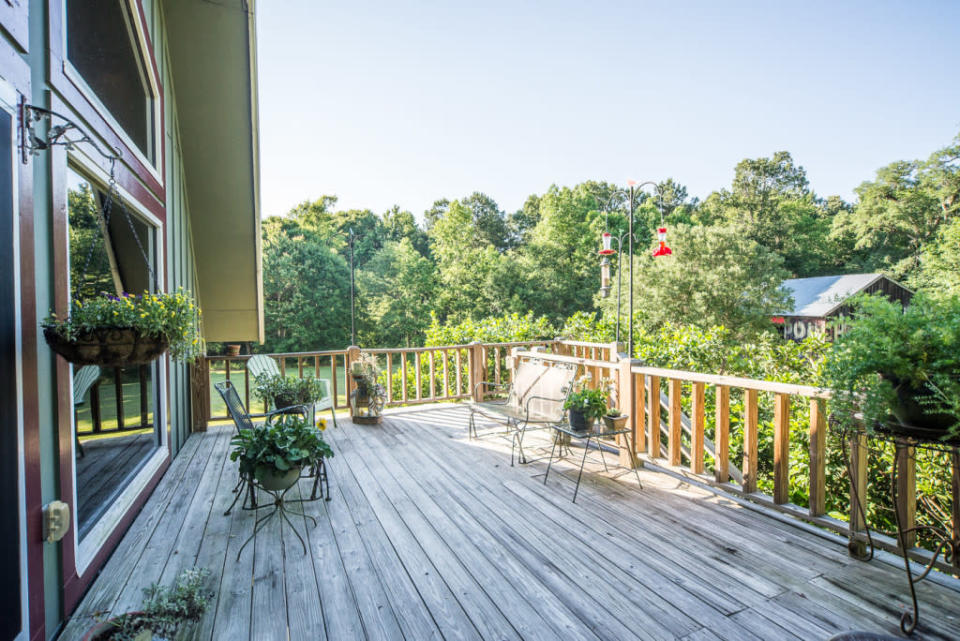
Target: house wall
<point>31,52</point>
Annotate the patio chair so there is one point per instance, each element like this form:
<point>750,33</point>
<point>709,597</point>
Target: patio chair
<point>83,380</point>
<point>260,364</point>
<point>242,421</point>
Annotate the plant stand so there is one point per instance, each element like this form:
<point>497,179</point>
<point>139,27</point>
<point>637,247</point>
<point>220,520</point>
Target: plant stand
<point>946,539</point>
<point>281,507</point>
<point>362,411</point>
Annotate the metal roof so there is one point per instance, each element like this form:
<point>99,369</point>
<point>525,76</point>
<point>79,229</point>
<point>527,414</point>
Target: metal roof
<point>819,296</point>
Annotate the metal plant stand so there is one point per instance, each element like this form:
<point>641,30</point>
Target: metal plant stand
<point>280,507</point>
<point>946,539</point>
<point>563,433</point>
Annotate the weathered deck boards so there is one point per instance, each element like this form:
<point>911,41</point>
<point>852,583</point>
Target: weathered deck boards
<point>104,467</point>
<point>432,536</point>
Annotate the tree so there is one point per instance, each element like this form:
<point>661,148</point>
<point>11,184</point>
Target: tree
<point>489,221</point>
<point>715,277</point>
<point>398,225</point>
<point>939,273</point>
<point>90,273</point>
<point>396,288</point>
<point>306,289</point>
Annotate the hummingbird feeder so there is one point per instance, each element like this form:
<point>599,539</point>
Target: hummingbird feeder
<point>662,250</point>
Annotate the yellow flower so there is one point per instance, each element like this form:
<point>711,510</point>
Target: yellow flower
<point>321,424</point>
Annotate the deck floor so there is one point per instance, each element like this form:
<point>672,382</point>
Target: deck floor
<point>432,536</point>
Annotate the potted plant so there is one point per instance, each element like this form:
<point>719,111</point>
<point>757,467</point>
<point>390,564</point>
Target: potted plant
<point>584,405</point>
<point>284,391</point>
<point>614,420</point>
<point>898,370</point>
<point>165,610</point>
<point>115,331</point>
<point>276,453</point>
<point>369,393</point>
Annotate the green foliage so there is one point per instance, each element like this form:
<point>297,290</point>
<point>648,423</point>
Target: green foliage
<point>173,316</point>
<point>939,273</point>
<point>286,441</point>
<point>166,608</point>
<point>714,277</point>
<point>886,345</point>
<point>86,239</point>
<point>504,329</point>
<point>395,287</point>
<point>591,402</point>
<point>287,391</point>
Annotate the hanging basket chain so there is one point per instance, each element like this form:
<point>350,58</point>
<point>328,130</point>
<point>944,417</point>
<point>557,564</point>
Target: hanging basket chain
<point>113,194</point>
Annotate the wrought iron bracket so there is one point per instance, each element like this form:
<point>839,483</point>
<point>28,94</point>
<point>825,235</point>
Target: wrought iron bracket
<point>58,133</point>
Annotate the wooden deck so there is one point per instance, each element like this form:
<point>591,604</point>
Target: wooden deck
<point>431,536</point>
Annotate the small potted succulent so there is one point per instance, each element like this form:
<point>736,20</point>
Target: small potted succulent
<point>288,391</point>
<point>585,406</point>
<point>614,420</point>
<point>165,610</point>
<point>117,331</point>
<point>897,370</point>
<point>276,453</point>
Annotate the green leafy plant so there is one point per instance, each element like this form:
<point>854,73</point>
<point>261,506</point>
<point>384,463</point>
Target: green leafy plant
<point>173,316</point>
<point>165,608</point>
<point>592,403</point>
<point>286,391</point>
<point>888,353</point>
<point>284,442</point>
<point>613,412</point>
<point>366,372</point>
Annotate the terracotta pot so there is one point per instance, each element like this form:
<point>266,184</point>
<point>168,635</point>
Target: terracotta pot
<point>274,481</point>
<point>108,347</point>
<point>233,349</point>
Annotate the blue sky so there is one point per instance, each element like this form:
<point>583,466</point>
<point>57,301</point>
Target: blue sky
<point>384,103</point>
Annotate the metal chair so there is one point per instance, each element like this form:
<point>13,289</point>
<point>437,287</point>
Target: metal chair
<point>83,380</point>
<point>242,421</point>
<point>260,364</point>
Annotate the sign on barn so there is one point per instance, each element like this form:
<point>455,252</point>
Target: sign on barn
<point>822,300</point>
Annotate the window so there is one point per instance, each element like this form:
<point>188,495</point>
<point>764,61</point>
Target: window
<point>114,418</point>
<point>103,46</point>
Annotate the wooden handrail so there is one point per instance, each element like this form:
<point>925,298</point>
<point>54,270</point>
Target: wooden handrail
<point>735,381</point>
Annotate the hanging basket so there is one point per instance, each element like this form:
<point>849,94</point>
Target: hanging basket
<point>110,347</point>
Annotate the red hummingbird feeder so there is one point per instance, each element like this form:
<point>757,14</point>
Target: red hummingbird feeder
<point>662,250</point>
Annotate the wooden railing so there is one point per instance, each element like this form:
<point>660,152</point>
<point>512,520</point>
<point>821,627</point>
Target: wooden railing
<point>657,422</point>
<point>99,397</point>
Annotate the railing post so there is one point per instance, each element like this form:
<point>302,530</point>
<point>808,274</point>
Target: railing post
<point>95,406</point>
<point>818,458</point>
<point>625,402</point>
<point>200,394</point>
<point>638,381</point>
<point>653,418</point>
<point>858,492</point>
<point>118,395</point>
<point>955,507</point>
<point>674,442</point>
<point>721,439</point>
<point>699,424</point>
<point>142,373</point>
<point>353,354</point>
<point>476,369</point>
<point>781,449</point>
<point>750,418</point>
<point>907,491</point>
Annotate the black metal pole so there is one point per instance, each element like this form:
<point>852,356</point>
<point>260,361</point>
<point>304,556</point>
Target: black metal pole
<point>619,282</point>
<point>353,323</point>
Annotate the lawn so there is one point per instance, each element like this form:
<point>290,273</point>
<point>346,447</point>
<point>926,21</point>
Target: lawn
<point>219,410</point>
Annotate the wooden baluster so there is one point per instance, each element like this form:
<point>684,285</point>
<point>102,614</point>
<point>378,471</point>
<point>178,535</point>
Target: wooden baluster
<point>496,365</point>
<point>675,435</point>
<point>353,354</point>
<point>721,436</point>
<point>299,367</point>
<point>955,507</point>
<point>697,429</point>
<point>750,419</point>
<point>626,403</point>
<point>389,377</point>
<point>283,366</point>
<point>118,392</point>
<point>858,491</point>
<point>781,448</point>
<point>431,394</point>
<point>446,380</point>
<point>95,406</point>
<point>333,381</point>
<point>403,376</point>
<point>316,365</point>
<point>458,377</point>
<point>416,363</point>
<point>907,491</point>
<point>638,410</point>
<point>818,458</point>
<point>653,445</point>
<point>144,402</point>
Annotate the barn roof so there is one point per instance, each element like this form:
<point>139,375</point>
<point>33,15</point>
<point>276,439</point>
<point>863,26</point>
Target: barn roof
<point>819,296</point>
